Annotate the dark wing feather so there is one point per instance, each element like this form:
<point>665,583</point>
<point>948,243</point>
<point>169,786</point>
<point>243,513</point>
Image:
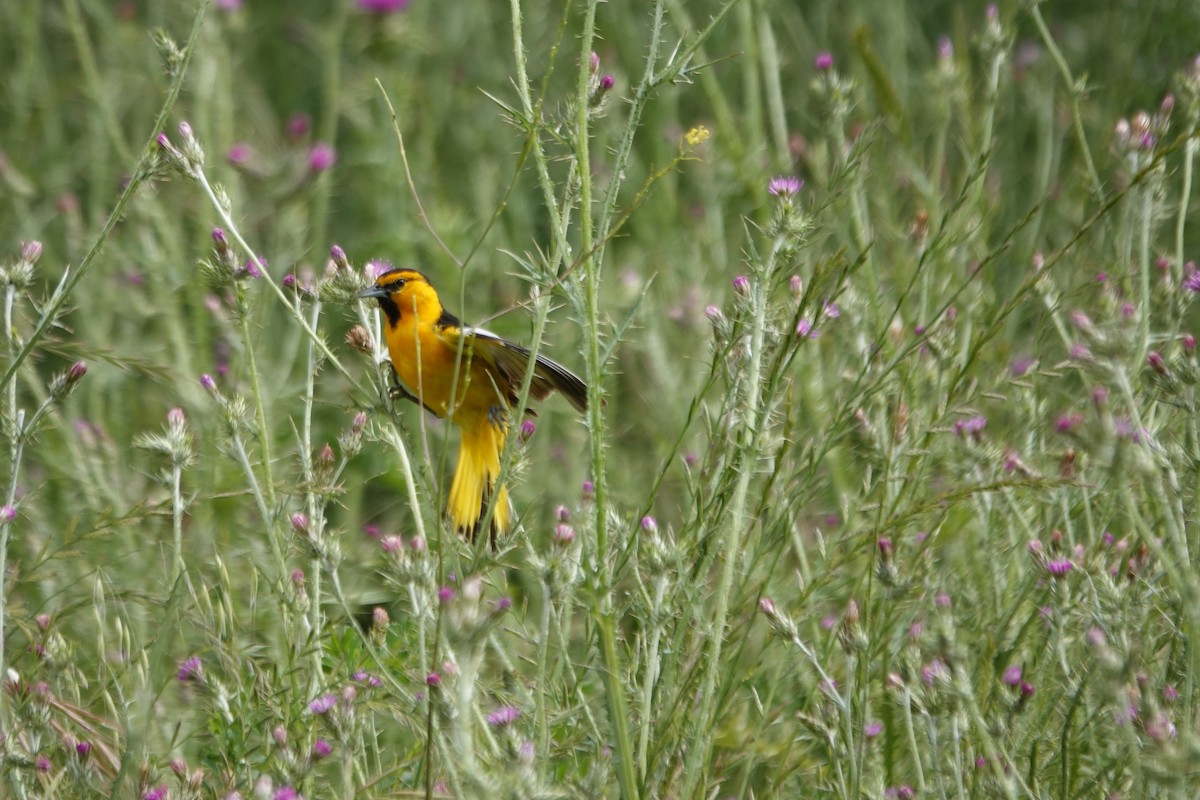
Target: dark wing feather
<point>511,360</point>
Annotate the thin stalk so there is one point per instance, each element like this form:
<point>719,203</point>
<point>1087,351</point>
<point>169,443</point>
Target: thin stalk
<point>603,602</point>
<point>650,678</point>
<point>773,86</point>
<point>1073,91</point>
<point>260,414</point>
<point>243,458</point>
<point>911,730</point>
<point>316,514</point>
<point>10,335</point>
<point>177,507</point>
<point>20,435</point>
<point>739,523</point>
<point>16,453</point>
<point>331,91</point>
<point>1145,212</point>
<point>541,727</point>
<point>1185,194</point>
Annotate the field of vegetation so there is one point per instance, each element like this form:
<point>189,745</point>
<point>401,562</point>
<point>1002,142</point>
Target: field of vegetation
<point>893,491</point>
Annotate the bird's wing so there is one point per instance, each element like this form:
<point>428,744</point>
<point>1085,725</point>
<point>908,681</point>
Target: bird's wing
<point>510,360</point>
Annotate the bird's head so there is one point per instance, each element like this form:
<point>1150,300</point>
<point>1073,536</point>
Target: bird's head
<point>403,291</point>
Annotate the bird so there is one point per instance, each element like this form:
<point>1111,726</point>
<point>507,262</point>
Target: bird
<point>470,376</point>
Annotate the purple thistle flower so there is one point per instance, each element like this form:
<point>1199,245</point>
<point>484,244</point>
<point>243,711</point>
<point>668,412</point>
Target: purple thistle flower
<point>970,427</point>
<point>298,126</point>
<point>7,514</point>
<point>607,83</point>
<point>1068,422</point>
<point>1027,689</point>
<point>1155,360</point>
<point>1022,365</point>
<point>649,524</point>
<point>239,154</point>
<point>83,749</point>
<point>503,716</point>
<point>528,428</point>
<point>321,156</point>
<point>446,594</point>
<point>784,186</point>
<point>823,61</point>
<point>208,383</point>
<point>376,267</point>
<point>433,679</point>
<point>1012,675</point>
<point>934,672</point>
<point>564,533</point>
<point>286,793</point>
<point>741,284</point>
<point>1059,567</point>
<point>321,748</point>
<point>804,329</point>
<point>872,729</point>
<point>156,793</point>
<point>43,764</point>
<point>191,670</point>
<point>392,544</point>
<point>323,704</point>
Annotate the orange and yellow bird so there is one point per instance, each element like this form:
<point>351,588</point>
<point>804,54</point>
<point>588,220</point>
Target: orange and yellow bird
<point>471,376</point>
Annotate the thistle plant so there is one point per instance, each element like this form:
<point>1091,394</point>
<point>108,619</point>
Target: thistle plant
<point>886,485</point>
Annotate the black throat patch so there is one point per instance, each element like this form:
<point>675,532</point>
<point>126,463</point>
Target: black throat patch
<point>390,309</point>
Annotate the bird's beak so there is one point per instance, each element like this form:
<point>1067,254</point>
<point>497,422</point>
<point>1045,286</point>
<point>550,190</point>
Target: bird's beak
<point>374,291</point>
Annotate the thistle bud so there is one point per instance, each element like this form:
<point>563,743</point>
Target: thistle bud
<point>358,339</point>
<point>31,251</point>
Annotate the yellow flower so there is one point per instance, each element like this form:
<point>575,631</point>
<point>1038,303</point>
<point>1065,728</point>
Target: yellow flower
<point>696,135</point>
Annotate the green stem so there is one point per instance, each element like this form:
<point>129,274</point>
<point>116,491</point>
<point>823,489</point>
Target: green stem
<point>331,91</point>
<point>739,523</point>
<point>1073,92</point>
<point>1146,210</point>
<point>177,507</point>
<point>1185,194</point>
<point>651,677</point>
<point>314,505</point>
<point>603,602</point>
<point>260,414</point>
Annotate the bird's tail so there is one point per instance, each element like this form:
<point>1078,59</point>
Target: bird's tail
<point>474,486</point>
